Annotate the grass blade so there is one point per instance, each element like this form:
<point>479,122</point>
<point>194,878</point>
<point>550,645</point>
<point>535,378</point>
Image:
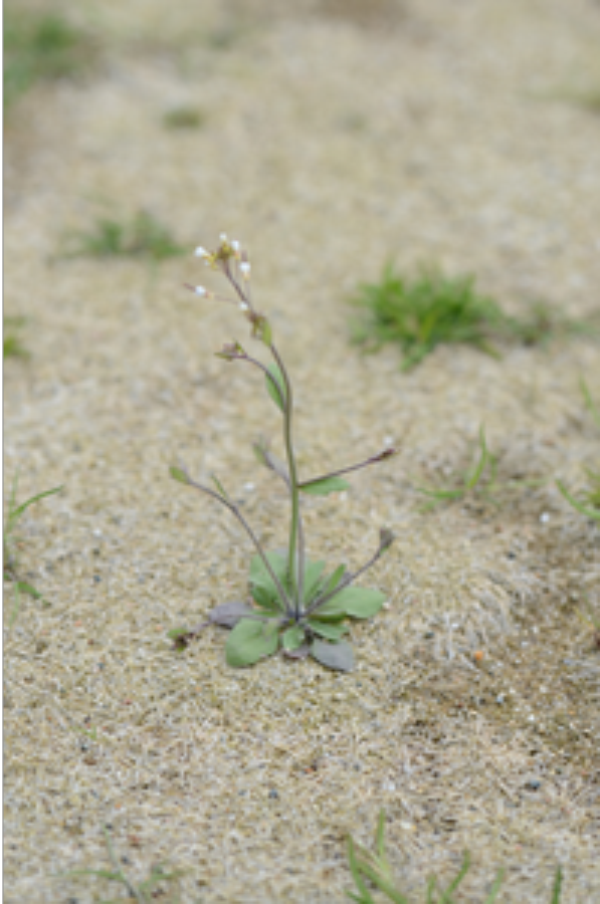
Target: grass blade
<point>594,514</point>
<point>15,514</point>
<point>479,468</point>
<point>557,886</point>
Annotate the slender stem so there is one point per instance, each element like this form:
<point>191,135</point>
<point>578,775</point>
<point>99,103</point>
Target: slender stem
<point>295,560</point>
<point>296,546</point>
<point>387,453</point>
<point>289,606</point>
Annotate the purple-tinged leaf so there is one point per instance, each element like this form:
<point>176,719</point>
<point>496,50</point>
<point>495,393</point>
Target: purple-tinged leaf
<point>228,614</point>
<point>336,656</point>
<point>231,351</point>
<point>386,538</point>
<point>299,653</point>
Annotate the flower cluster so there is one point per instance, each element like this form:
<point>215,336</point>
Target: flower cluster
<point>232,259</point>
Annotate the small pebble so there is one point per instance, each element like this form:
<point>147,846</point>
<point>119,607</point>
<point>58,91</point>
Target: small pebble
<point>273,793</point>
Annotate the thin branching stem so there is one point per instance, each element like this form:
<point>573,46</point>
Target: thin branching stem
<point>346,581</point>
<point>381,456</point>
<point>296,542</point>
<point>237,514</point>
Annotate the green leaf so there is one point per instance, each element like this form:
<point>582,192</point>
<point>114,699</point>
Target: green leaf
<point>293,638</point>
<point>324,486</point>
<point>261,328</point>
<point>262,586</point>
<point>312,577</point>
<point>276,386</point>
<point>334,580</point>
<point>336,656</point>
<point>250,641</point>
<point>358,602</point>
<point>329,632</point>
<point>260,453</point>
<point>219,486</point>
<point>227,615</point>
<point>178,474</point>
<point>265,600</point>
<point>174,633</point>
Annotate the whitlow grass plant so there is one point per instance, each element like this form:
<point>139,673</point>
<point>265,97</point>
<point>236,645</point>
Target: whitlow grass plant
<point>297,605</point>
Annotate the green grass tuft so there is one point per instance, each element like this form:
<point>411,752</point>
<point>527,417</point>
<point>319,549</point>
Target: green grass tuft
<point>10,565</point>
<point>480,481</point>
<point>143,892</point>
<point>144,236</point>
<point>40,47</point>
<point>12,347</point>
<point>184,118</point>
<point>587,503</point>
<point>372,870</point>
<point>432,309</point>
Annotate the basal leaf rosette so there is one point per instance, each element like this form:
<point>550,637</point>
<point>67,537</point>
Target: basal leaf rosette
<point>319,628</point>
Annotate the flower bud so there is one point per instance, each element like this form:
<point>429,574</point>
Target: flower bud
<point>200,290</point>
<point>245,269</point>
<point>201,252</point>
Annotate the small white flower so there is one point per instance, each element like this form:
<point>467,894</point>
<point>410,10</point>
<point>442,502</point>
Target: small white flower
<point>235,245</point>
<point>200,290</point>
<point>223,237</point>
<point>245,269</point>
<point>201,252</point>
<point>243,306</point>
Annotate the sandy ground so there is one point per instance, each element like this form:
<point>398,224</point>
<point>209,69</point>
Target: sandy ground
<point>334,137</point>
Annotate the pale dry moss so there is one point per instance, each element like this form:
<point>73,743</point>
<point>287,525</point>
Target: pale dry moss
<point>250,781</point>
